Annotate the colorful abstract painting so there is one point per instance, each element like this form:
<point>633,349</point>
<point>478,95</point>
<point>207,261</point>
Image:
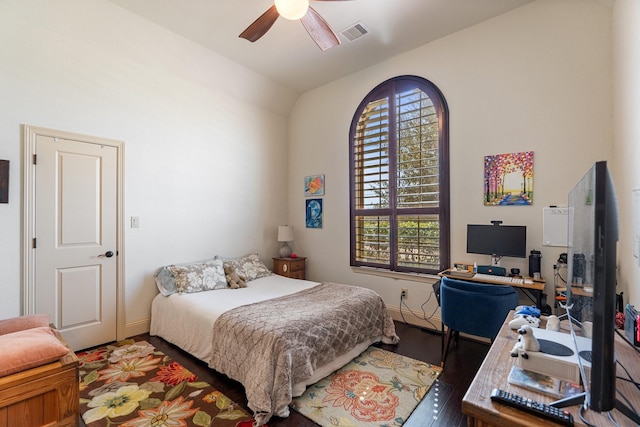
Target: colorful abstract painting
<point>314,185</point>
<point>508,179</point>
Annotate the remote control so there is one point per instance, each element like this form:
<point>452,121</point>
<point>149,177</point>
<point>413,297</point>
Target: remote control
<point>552,413</point>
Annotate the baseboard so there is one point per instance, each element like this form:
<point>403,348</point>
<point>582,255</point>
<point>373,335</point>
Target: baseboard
<point>407,317</point>
<point>422,323</point>
<point>137,328</point>
<point>434,323</point>
<point>143,326</point>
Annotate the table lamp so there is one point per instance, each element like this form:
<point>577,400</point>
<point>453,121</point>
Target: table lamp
<point>285,234</point>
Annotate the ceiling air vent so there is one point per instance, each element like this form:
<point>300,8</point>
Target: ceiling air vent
<point>355,31</point>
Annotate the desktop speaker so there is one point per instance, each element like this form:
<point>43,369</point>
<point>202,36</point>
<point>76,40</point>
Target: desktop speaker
<point>534,262</point>
<point>492,269</point>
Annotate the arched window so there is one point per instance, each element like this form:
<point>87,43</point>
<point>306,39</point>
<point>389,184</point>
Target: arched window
<point>399,178</point>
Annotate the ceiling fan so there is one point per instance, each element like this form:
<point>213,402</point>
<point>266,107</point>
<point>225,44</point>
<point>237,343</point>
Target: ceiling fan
<point>315,25</point>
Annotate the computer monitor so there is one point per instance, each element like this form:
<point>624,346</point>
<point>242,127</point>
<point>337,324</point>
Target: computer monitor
<point>497,240</point>
<point>592,240</point>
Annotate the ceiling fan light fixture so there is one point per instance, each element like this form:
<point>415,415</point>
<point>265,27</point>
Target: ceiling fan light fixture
<point>292,9</point>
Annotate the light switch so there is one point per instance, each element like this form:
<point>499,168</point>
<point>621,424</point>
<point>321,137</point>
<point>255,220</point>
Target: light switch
<point>135,222</point>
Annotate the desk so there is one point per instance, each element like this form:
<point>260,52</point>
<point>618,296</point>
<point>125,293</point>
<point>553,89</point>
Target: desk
<point>482,412</point>
<point>577,291</point>
<point>533,290</point>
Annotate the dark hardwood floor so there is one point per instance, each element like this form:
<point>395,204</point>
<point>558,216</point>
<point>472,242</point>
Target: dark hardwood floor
<point>441,406</point>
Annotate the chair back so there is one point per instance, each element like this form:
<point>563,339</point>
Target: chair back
<point>475,308</point>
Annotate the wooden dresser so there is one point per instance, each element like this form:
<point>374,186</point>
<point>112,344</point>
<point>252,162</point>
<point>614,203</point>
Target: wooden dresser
<point>290,267</point>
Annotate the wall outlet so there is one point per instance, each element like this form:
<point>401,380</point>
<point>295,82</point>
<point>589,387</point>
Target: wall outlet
<point>404,294</point>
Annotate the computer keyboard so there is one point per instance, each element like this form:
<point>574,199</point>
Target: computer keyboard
<point>501,279</point>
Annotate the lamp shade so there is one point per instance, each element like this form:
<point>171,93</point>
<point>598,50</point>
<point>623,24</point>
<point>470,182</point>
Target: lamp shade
<point>285,233</point>
<point>292,9</point>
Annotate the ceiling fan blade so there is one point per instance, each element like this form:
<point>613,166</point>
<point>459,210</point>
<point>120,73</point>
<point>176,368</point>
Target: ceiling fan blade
<point>261,25</point>
<point>319,30</point>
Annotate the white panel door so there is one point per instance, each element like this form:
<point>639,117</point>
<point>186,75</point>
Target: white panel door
<point>75,268</point>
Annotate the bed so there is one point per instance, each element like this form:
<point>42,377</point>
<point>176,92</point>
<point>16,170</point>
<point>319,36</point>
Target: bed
<point>276,336</point>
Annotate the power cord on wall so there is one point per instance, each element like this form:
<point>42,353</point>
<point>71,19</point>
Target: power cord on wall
<point>424,313</point>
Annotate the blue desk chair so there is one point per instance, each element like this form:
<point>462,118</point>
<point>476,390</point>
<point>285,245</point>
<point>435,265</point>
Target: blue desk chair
<point>473,308</point>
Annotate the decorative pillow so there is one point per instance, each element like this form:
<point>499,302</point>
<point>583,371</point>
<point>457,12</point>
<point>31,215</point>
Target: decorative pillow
<point>249,266</point>
<point>191,277</point>
<point>21,323</point>
<point>29,348</point>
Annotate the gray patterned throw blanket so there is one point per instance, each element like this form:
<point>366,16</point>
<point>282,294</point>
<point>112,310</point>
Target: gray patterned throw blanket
<point>271,345</point>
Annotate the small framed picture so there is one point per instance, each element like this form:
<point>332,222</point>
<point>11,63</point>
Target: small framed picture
<point>314,185</point>
<point>4,181</point>
<point>313,213</point>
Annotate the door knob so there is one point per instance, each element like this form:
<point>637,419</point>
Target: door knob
<point>107,254</point>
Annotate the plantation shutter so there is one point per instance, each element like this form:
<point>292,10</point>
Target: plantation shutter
<point>371,167</point>
<point>399,212</point>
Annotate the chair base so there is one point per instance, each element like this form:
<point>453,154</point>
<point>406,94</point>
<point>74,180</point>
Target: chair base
<point>446,343</point>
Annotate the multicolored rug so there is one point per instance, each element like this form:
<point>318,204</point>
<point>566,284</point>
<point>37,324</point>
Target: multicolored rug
<point>377,388</point>
<point>131,384</point>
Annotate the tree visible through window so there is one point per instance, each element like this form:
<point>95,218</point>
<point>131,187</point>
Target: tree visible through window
<point>399,157</point>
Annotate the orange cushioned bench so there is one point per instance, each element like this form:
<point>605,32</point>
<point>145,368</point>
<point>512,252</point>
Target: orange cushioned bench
<point>38,375</point>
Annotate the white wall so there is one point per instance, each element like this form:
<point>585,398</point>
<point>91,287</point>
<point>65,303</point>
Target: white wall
<point>626,108</point>
<point>537,78</point>
<point>204,141</point>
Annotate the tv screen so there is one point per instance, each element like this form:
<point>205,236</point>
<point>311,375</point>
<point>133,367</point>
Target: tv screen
<point>593,235</point>
<point>497,240</point>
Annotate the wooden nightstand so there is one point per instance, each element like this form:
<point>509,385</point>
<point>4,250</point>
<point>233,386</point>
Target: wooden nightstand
<point>290,267</point>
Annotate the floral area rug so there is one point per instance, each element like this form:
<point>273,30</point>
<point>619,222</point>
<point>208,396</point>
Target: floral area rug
<point>131,384</point>
<point>377,388</point>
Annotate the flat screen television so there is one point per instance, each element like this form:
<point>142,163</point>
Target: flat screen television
<point>592,239</point>
<point>497,240</point>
